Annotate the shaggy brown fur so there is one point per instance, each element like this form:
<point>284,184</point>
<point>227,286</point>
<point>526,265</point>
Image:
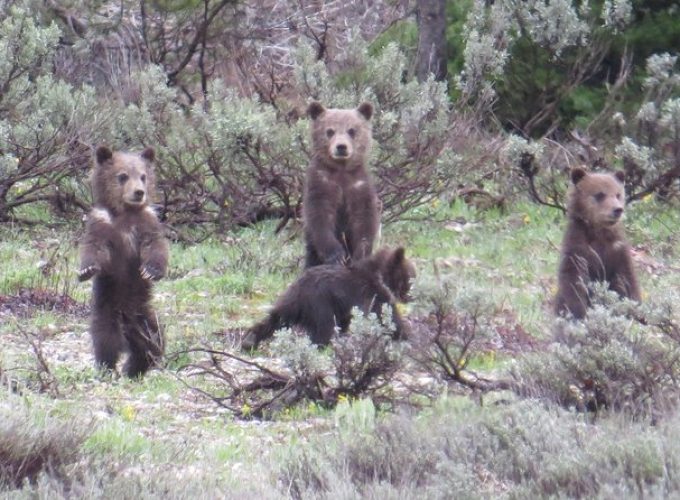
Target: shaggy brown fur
<point>594,247</point>
<point>340,205</point>
<point>323,297</point>
<point>124,249</point>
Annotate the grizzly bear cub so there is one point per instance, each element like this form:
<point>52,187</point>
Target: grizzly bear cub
<point>340,204</point>
<point>594,247</point>
<point>124,248</point>
<point>323,297</point>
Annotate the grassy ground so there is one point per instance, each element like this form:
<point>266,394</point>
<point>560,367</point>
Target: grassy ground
<point>156,438</point>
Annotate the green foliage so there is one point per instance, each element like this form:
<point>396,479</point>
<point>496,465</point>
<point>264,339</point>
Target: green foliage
<point>403,33</point>
<point>46,125</point>
<point>456,16</point>
<point>300,356</point>
<point>459,326</point>
<point>519,450</point>
<point>654,29</point>
<point>649,145</point>
<point>621,356</point>
<point>554,65</point>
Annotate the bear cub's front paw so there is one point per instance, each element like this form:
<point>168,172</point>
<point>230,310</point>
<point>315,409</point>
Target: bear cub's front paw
<point>87,272</point>
<point>151,272</point>
<point>338,257</point>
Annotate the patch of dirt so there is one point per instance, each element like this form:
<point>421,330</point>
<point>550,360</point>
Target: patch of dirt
<point>29,300</point>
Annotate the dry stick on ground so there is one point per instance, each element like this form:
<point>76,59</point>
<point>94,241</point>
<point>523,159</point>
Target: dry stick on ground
<point>268,380</point>
<point>47,382</point>
<point>354,378</point>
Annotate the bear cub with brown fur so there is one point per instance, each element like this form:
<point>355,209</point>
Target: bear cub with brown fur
<point>340,204</point>
<point>323,297</point>
<point>124,249</point>
<point>594,248</point>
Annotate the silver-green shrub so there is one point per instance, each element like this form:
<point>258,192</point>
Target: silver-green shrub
<point>47,126</point>
<point>622,357</point>
<point>235,160</point>
<point>304,360</point>
<point>457,327</point>
<point>359,363</point>
<point>649,147</point>
<point>225,159</point>
<point>367,357</point>
<point>519,449</point>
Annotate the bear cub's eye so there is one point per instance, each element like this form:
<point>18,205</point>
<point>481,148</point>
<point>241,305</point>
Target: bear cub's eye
<point>122,178</point>
<point>330,132</point>
<point>352,132</point>
<point>599,197</point>
<point>143,178</point>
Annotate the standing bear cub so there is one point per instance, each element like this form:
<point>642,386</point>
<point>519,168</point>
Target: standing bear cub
<point>594,247</point>
<point>340,204</point>
<point>124,249</point>
<point>323,297</point>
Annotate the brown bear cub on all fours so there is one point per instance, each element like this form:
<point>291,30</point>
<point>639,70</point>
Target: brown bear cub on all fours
<point>322,298</point>
<point>124,249</point>
<point>594,248</point>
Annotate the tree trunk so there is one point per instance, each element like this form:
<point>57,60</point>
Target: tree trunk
<point>431,56</point>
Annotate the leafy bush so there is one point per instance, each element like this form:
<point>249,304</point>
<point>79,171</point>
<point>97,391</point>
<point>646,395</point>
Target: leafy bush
<point>520,450</point>
<point>366,359</point>
<point>237,160</point>
<point>650,142</point>
<point>621,356</point>
<point>46,125</point>
<point>556,72</point>
<point>226,160</point>
<point>457,327</point>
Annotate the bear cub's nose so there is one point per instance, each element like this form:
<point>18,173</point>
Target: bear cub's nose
<point>139,195</point>
<point>341,149</point>
<point>617,212</point>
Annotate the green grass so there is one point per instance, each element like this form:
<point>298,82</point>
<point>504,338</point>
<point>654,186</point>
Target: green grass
<point>120,440</point>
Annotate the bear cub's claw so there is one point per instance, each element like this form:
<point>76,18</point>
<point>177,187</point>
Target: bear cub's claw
<point>86,273</point>
<point>150,272</point>
<point>337,258</point>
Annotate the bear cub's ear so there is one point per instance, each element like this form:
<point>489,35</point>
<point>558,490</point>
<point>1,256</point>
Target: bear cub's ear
<point>103,154</point>
<point>621,176</point>
<point>398,257</point>
<point>149,154</point>
<point>577,173</point>
<point>366,110</point>
<point>315,109</point>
